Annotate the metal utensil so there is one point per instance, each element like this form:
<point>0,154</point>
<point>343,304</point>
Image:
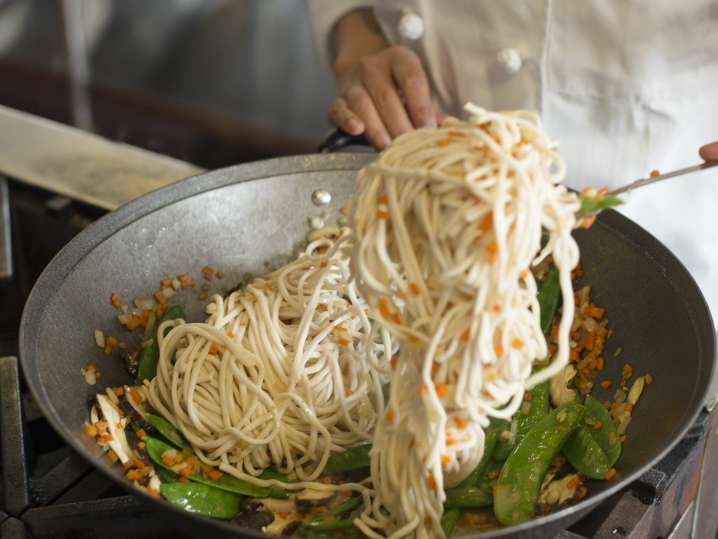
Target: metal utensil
<point>661,177</point>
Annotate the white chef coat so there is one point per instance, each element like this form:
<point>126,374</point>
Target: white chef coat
<point>626,86</point>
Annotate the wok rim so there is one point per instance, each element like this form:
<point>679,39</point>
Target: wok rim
<point>65,261</point>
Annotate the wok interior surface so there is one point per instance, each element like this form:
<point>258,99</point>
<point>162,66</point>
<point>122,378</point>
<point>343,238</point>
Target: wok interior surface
<point>251,218</point>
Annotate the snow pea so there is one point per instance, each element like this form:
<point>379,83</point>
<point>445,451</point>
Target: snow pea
<point>517,488</point>
<point>503,445</point>
<point>449,520</point>
<point>591,205</point>
<point>150,354</point>
<point>201,499</point>
<point>155,449</point>
<point>346,507</point>
<point>590,450</point>
<point>531,412</point>
<point>353,459</point>
<point>468,497</point>
<point>549,296</point>
<point>168,431</point>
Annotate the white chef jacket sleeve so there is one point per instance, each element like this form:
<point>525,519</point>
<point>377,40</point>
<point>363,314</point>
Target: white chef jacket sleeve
<point>324,15</point>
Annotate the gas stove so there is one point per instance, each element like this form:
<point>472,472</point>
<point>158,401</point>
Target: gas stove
<point>48,491</point>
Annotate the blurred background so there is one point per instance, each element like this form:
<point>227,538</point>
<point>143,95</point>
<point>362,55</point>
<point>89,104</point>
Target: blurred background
<point>212,82</point>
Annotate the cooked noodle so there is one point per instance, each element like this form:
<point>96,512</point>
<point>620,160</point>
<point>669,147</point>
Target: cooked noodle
<point>447,224</point>
<point>281,374</point>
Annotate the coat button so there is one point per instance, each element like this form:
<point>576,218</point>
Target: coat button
<point>411,25</point>
<point>511,61</point>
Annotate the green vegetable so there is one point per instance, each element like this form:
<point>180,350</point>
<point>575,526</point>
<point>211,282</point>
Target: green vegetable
<point>504,445</point>
<point>517,488</point>
<point>274,491</point>
<point>549,296</point>
<point>356,458</point>
<point>590,205</point>
<point>149,356</point>
<point>155,448</point>
<point>469,497</point>
<point>532,411</point>
<point>201,499</point>
<point>348,506</point>
<point>594,451</point>
<point>449,520</point>
<point>168,431</point>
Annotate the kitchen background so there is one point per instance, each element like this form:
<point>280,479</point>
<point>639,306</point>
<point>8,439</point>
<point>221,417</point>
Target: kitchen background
<point>213,82</point>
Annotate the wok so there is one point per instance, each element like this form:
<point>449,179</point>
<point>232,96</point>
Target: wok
<point>252,217</point>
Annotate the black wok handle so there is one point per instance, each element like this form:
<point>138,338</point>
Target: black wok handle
<point>338,140</point>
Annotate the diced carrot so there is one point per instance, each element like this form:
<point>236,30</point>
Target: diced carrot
<point>595,312</point>
<point>528,396</point>
<point>138,463</point>
<point>492,248</point>
<point>185,280</point>
<point>486,222</point>
<point>396,318</point>
<point>606,384</point>
<point>413,339</point>
<point>460,423</point>
<point>464,337</point>
<point>323,307</point>
<point>627,371</point>
<point>493,474</point>
<point>112,455</point>
<point>141,445</point>
<point>628,407</point>
<point>517,343</point>
<point>389,416</point>
<point>445,460</point>
<point>384,311</point>
<point>394,361</point>
<point>414,289</point>
<point>383,199</point>
<point>323,264</point>
<point>160,297</point>
<point>524,273</point>
<point>141,433</point>
<point>423,389</point>
<point>610,474</point>
<point>450,441</point>
<point>160,309</point>
<point>499,350</point>
<point>597,425</point>
<point>431,481</point>
<point>91,430</point>
<point>153,492</point>
<point>213,349</point>
<point>115,300</point>
<point>654,173</point>
<point>136,396</point>
<point>214,475</point>
<point>440,390</point>
<point>623,438</point>
<point>133,323</point>
<point>105,438</point>
<point>381,214</point>
<point>343,342</point>
<point>573,354</point>
<point>573,482</point>
<point>456,133</point>
<point>110,344</point>
<point>443,142</point>
<point>582,492</point>
<point>496,308</point>
<point>648,379</point>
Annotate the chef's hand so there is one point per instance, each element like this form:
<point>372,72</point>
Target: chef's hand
<point>382,91</point>
<point>709,152</point>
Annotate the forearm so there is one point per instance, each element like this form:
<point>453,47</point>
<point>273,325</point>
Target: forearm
<point>356,34</point>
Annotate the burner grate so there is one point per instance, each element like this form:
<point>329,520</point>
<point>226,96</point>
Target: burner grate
<point>55,494</point>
